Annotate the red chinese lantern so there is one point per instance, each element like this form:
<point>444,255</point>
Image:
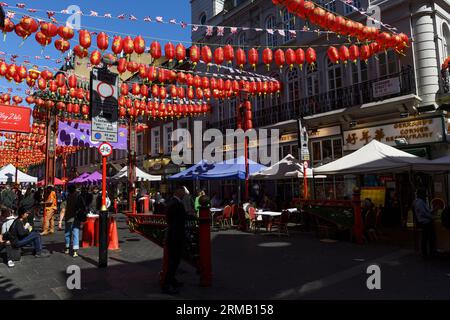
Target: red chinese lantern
<point>404,42</point>
<point>280,58</point>
<point>47,75</point>
<point>144,90</point>
<point>181,93</point>
<point>228,53</point>
<point>143,71</point>
<point>180,53</point>
<point>181,77</point>
<point>253,57</point>
<point>60,80</point>
<point>267,57</point>
<point>292,5</point>
<point>155,50</point>
<point>205,83</point>
<point>190,93</point>
<point>364,52</point>
<point>133,66</point>
<point>117,45</point>
<point>42,84</point>
<point>353,53</point>
<point>290,58</point>
<point>344,54</point>
<point>96,58</point>
<point>199,93</point>
<point>206,55</point>
<point>139,45</point>
<point>374,47</point>
<point>128,45</point>
<point>72,81</point>
<point>189,79</point>
<point>124,89</point>
<point>311,56</point>
<point>194,55</point>
<point>63,91</point>
<point>241,58</point>
<point>17,100</point>
<point>330,20</point>
<point>152,73</point>
<point>169,51</point>
<point>29,100</point>
<point>122,65</point>
<point>102,41</point>
<point>85,39</point>
<point>197,81</point>
<point>22,72</point>
<point>80,52</point>
<point>62,45</point>
<point>155,91</point>
<point>42,39</point>
<point>135,89</point>
<point>219,56</point>
<point>49,29</point>
<point>163,93</point>
<point>384,39</point>
<point>9,27</point>
<point>66,33</point>
<point>308,9</point>
<point>300,57</point>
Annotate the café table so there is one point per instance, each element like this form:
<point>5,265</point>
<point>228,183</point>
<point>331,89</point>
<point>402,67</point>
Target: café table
<point>213,212</point>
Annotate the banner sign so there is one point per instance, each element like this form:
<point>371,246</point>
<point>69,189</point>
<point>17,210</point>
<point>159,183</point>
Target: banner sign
<point>413,132</point>
<point>79,135</point>
<point>386,87</point>
<point>104,105</point>
<point>15,119</point>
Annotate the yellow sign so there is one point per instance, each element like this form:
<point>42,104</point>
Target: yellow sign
<point>376,194</point>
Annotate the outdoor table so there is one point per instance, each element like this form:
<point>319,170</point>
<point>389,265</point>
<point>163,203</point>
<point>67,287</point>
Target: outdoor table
<point>268,216</point>
<point>213,212</point>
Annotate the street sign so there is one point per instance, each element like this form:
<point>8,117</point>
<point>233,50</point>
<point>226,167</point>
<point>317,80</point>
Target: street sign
<point>105,149</point>
<point>303,142</point>
<point>104,105</point>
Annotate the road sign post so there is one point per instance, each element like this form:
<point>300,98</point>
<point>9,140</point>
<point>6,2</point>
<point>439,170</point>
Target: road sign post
<point>105,151</point>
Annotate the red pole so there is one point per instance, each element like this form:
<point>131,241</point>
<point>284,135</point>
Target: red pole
<point>205,247</point>
<point>358,228</point>
<point>104,184</point>
<point>246,168</point>
<point>305,183</point>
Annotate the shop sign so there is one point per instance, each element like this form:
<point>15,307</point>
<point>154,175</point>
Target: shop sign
<point>411,132</point>
<point>16,119</point>
<point>325,132</point>
<point>289,137</point>
<point>386,87</point>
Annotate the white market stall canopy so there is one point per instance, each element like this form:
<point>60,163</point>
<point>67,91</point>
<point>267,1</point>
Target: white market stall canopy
<point>287,168</point>
<point>140,175</point>
<point>374,157</point>
<point>8,175</point>
<point>436,165</point>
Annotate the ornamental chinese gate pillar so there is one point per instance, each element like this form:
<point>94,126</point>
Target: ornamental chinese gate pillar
<point>50,149</point>
<point>131,165</point>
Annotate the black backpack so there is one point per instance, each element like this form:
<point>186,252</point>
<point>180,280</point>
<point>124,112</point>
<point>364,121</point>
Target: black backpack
<point>445,217</point>
<point>82,210</point>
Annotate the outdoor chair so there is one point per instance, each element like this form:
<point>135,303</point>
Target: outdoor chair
<point>253,218</point>
<point>224,219</point>
<point>282,223</point>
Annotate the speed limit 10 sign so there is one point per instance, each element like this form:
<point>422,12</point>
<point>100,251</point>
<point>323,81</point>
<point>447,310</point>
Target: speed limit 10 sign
<point>105,149</point>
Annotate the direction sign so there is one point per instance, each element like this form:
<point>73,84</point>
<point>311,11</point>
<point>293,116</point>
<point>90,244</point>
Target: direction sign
<point>105,149</point>
<point>104,105</point>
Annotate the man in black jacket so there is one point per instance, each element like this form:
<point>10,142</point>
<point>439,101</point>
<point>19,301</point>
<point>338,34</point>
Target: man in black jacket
<point>176,219</point>
<point>21,234</point>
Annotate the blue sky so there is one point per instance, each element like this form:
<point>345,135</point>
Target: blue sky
<point>170,9</point>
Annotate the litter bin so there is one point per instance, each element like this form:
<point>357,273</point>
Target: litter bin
<point>144,204</point>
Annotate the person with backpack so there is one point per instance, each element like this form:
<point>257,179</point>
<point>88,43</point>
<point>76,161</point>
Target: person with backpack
<point>424,219</point>
<point>21,234</point>
<point>72,224</point>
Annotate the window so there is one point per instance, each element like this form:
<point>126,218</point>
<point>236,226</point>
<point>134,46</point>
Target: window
<point>168,129</point>
<point>329,5</point>
<point>387,63</point>
<point>155,141</point>
<point>293,87</point>
<point>242,39</point>
<point>334,76</point>
<point>360,72</point>
<point>348,9</point>
<point>312,82</point>
<point>446,40</point>
<point>202,18</point>
<point>325,151</point>
<point>271,39</point>
<point>288,24</point>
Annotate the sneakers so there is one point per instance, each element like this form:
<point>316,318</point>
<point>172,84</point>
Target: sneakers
<point>42,254</point>
<point>67,251</point>
<point>11,264</point>
<point>75,253</point>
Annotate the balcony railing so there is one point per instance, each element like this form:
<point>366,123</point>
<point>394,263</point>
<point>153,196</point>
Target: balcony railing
<point>358,94</point>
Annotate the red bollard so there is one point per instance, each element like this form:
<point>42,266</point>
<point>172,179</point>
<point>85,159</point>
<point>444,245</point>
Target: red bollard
<point>358,228</point>
<point>134,206</point>
<point>89,233</point>
<point>205,247</point>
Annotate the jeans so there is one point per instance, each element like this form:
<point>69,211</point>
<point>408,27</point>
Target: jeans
<point>72,228</point>
<point>428,239</point>
<point>34,238</point>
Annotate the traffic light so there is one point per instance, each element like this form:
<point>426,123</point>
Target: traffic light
<point>2,17</point>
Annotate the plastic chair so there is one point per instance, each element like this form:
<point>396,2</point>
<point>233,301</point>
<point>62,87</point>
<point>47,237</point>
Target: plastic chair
<point>253,218</point>
<point>224,219</point>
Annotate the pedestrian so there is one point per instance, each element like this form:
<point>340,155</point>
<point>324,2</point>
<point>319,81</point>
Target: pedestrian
<point>95,199</point>
<point>38,200</point>
<point>9,198</point>
<point>21,234</point>
<point>160,204</point>
<point>50,208</point>
<point>188,203</point>
<point>7,220</point>
<point>200,194</point>
<point>424,219</point>
<point>27,202</point>
<point>88,199</point>
<point>72,225</point>
<point>176,218</point>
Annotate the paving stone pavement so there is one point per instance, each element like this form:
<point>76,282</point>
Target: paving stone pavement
<point>245,266</point>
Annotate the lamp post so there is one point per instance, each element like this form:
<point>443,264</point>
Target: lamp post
<point>245,107</point>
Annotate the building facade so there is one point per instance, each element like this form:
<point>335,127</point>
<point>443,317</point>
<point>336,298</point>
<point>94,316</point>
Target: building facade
<point>400,100</point>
